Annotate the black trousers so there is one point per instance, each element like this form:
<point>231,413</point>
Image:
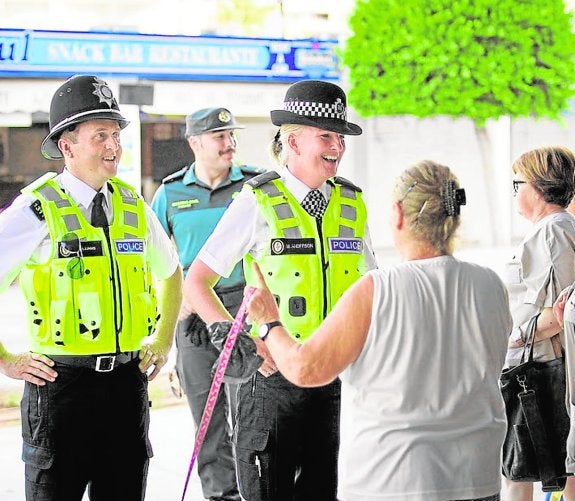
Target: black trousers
<point>287,440</point>
<point>87,430</point>
<point>195,358</point>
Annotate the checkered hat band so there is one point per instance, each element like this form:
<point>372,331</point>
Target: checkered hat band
<point>313,109</point>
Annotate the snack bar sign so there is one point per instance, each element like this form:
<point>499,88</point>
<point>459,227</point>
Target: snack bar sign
<point>35,53</point>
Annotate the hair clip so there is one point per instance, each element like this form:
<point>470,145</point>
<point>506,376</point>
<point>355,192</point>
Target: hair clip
<point>453,198</point>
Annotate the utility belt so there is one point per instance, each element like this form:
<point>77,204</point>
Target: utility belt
<point>231,297</point>
<point>98,363</point>
<point>193,327</point>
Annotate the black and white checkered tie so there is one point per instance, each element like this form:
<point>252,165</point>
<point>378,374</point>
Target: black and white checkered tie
<point>314,203</point>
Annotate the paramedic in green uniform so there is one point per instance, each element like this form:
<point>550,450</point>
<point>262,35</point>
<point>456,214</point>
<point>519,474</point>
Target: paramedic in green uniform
<point>189,203</point>
<point>85,245</point>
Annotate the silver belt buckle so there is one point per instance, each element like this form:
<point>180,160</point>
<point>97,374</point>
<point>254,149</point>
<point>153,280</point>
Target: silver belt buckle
<point>105,363</point>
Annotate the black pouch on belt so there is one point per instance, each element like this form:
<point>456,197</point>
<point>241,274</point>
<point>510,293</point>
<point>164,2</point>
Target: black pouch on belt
<point>195,328</point>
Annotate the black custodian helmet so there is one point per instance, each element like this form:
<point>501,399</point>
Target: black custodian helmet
<point>80,99</point>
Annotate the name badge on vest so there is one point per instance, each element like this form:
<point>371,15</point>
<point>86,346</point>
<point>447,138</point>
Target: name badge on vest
<point>129,246</point>
<point>87,248</point>
<point>280,246</point>
<point>345,245</point>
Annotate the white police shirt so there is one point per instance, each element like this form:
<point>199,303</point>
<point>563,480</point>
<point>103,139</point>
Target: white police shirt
<point>243,229</point>
<point>25,237</point>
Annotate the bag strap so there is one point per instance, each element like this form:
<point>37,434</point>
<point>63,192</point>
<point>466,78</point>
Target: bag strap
<point>537,433</point>
<point>530,338</point>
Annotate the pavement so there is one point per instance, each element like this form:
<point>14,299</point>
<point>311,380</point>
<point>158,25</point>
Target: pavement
<point>172,437</point>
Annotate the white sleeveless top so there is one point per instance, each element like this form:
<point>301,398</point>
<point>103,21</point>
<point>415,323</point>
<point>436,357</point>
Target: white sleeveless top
<point>422,415</point>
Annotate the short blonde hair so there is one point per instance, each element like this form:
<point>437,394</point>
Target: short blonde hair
<point>430,197</point>
<point>551,171</point>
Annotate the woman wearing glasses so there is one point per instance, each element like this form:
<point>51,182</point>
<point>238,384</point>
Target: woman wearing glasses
<point>543,265</point>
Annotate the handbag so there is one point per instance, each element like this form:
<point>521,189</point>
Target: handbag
<point>537,421</point>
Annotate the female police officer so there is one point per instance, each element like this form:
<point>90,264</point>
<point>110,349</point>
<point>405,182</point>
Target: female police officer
<point>307,229</point>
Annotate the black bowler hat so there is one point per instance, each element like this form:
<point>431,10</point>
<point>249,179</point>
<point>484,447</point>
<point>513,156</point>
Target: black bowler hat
<point>210,120</point>
<point>80,99</point>
<point>318,104</point>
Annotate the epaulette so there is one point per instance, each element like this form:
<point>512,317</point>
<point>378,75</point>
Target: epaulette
<point>266,177</point>
<point>179,174</point>
<point>36,207</point>
<point>248,169</point>
<point>345,182</point>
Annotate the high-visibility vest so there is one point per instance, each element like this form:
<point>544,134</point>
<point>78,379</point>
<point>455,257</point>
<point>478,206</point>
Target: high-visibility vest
<point>308,264</point>
<point>94,294</point>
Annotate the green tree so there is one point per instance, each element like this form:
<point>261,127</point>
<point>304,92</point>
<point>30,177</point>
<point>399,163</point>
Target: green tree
<point>480,59</point>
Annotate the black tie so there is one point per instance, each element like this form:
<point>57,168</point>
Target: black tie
<point>314,203</point>
<point>99,218</point>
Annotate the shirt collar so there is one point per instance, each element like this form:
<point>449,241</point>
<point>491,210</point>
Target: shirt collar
<point>299,189</point>
<point>79,190</point>
<point>235,174</point>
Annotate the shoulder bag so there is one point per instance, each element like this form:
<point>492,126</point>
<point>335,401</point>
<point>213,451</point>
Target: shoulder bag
<point>537,420</point>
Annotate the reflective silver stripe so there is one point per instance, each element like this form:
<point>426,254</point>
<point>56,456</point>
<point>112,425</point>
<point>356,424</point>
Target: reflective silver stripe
<point>283,211</point>
<point>125,192</point>
<point>348,212</point>
<point>72,222</point>
<point>49,193</point>
<point>346,232</point>
<point>130,219</point>
<point>292,232</point>
<point>63,203</point>
<point>271,190</point>
<point>130,200</point>
<point>129,235</point>
<point>348,193</point>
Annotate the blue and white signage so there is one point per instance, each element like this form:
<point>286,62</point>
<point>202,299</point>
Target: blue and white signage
<point>38,53</point>
<point>345,245</point>
<point>129,246</point>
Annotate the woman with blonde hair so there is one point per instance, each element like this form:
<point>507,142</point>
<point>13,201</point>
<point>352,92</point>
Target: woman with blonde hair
<point>419,347</point>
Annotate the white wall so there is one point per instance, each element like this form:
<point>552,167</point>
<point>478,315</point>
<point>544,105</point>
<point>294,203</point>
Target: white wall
<point>391,144</point>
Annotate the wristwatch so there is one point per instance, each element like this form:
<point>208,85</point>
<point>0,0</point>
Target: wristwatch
<point>265,329</point>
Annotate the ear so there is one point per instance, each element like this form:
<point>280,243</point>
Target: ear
<point>193,142</point>
<point>292,143</point>
<point>397,217</point>
<point>64,146</point>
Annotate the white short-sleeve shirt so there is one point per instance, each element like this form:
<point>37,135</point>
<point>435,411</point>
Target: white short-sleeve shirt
<point>243,229</point>
<point>25,238</point>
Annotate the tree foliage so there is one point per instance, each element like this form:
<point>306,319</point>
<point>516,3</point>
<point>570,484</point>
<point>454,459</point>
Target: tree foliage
<point>480,59</point>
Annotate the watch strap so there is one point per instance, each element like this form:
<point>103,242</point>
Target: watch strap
<point>268,327</point>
